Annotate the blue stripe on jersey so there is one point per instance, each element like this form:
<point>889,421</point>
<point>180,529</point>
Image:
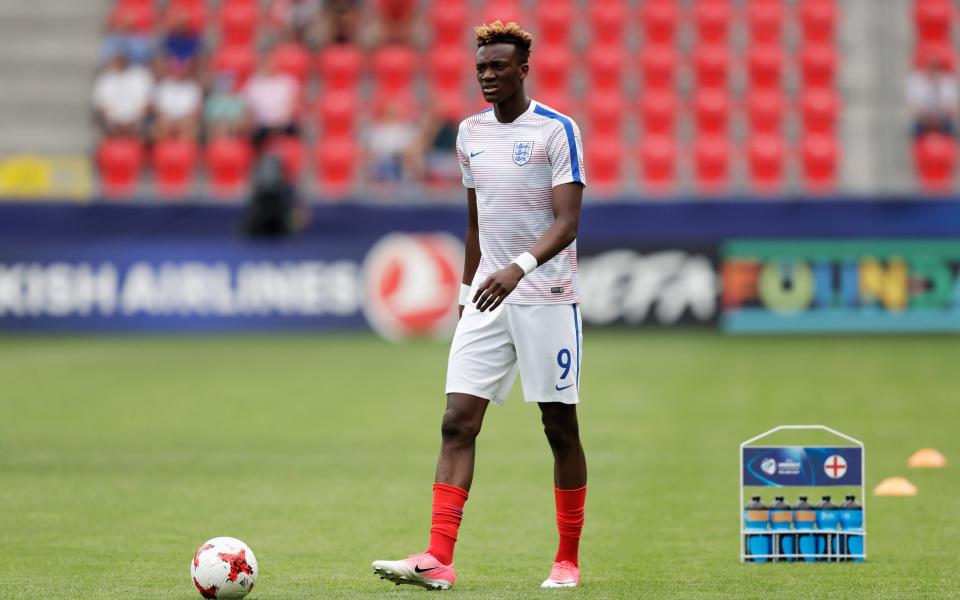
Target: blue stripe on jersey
<point>576,329</point>
<point>568,127</point>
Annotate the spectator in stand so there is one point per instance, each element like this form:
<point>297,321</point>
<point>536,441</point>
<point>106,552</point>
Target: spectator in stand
<point>226,109</point>
<point>933,97</point>
<point>297,17</point>
<point>433,156</point>
<point>177,101</point>
<point>390,142</point>
<point>340,21</point>
<point>273,98</point>
<point>123,37</point>
<point>180,42</point>
<point>121,96</point>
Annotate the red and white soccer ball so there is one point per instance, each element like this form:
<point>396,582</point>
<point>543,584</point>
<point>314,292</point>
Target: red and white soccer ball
<point>224,567</point>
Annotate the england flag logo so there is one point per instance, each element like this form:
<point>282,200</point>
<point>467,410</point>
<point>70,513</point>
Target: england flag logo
<point>522,152</point>
<point>835,466</point>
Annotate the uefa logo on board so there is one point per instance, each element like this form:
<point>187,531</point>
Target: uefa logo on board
<point>412,284</point>
<point>769,466</point>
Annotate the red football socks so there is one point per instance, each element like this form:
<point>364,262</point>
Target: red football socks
<point>448,501</point>
<point>569,522</point>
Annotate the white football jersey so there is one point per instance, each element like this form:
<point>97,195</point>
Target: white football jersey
<point>514,167</point>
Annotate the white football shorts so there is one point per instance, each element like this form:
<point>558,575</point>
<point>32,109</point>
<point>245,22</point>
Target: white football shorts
<point>542,341</point>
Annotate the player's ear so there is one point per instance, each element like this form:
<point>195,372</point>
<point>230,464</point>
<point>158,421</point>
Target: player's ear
<point>524,69</point>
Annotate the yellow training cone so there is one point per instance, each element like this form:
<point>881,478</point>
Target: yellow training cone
<point>895,486</point>
<point>927,458</point>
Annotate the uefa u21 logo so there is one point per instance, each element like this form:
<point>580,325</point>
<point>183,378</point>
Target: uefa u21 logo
<point>769,466</point>
<point>522,151</point>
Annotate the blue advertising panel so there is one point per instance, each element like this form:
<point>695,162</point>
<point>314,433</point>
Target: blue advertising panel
<point>784,466</point>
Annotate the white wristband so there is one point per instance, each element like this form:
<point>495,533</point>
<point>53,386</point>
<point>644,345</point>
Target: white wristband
<point>464,294</point>
<point>526,261</point>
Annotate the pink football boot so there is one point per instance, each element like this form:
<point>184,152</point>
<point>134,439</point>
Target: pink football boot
<point>564,574</point>
<point>417,569</point>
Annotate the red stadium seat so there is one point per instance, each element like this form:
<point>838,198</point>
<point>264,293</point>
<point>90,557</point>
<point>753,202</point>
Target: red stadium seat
<point>712,157</point>
<point>447,65</point>
<point>712,109</point>
<point>237,61</point>
<point>818,20</point>
<point>607,20</point>
<point>451,105</point>
<point>394,66</point>
<point>933,20</point>
<point>290,151</point>
<point>766,162</point>
<point>713,20</point>
<point>505,10</point>
<point>711,63</point>
<point>139,15</point>
<point>658,110</point>
<point>765,18</point>
<point>552,70</point>
<point>819,107</point>
<point>396,11</point>
<point>765,65</point>
<point>554,20</point>
<point>174,160</point>
<point>659,19</point>
<point>449,20</point>
<point>340,66</point>
<point>559,100</point>
<point>195,12</point>
<point>228,163</point>
<point>939,51</point>
<point>605,112</point>
<point>337,110</point>
<point>605,66</point>
<point>293,59</point>
<point>238,22</point>
<point>765,110</point>
<point>658,159</point>
<point>119,160</point>
<point>335,164</point>
<point>819,152</point>
<point>934,157</point>
<point>658,65</point>
<point>603,162</point>
<point>818,64</point>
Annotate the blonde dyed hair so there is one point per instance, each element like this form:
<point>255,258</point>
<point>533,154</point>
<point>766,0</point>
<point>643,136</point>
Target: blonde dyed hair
<point>500,33</point>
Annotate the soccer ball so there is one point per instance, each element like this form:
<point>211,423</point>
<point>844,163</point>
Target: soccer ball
<point>224,567</point>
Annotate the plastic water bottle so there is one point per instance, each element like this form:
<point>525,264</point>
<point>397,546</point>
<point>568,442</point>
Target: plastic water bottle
<point>804,518</point>
<point>827,518</point>
<point>755,518</point>
<point>851,518</point>
<point>781,520</point>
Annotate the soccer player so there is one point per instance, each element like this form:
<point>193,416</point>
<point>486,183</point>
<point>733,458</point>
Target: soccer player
<point>522,165</point>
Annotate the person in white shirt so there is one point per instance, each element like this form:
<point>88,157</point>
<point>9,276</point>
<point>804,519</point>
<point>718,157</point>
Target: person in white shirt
<point>933,96</point>
<point>121,96</point>
<point>273,98</point>
<point>177,102</point>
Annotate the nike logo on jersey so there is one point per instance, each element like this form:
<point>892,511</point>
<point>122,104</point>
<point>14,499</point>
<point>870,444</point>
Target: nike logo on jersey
<point>560,389</point>
<point>472,154</point>
<point>419,570</point>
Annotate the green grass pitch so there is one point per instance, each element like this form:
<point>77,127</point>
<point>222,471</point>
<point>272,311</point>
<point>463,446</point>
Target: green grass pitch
<point>119,456</point>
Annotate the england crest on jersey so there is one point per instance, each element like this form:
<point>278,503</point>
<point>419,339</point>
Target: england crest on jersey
<point>522,152</point>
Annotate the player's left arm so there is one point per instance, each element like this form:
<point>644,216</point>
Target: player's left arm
<point>567,199</point>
